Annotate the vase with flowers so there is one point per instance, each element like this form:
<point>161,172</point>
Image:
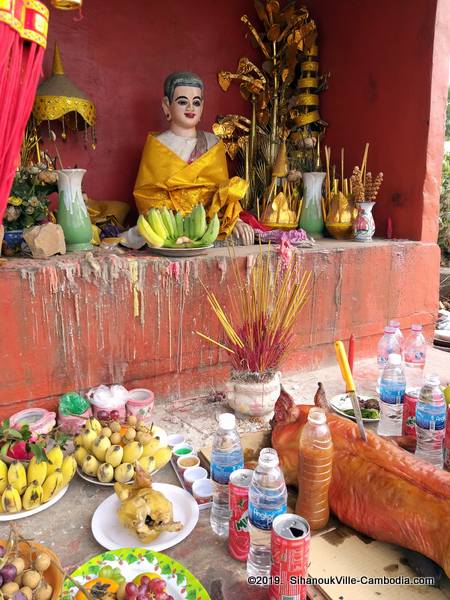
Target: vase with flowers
<point>259,329</point>
<point>28,202</point>
<point>365,190</point>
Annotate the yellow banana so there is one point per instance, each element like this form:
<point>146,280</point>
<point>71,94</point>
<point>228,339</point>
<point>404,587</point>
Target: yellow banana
<point>124,473</point>
<point>147,463</point>
<point>156,223</point>
<point>17,476</point>
<point>36,471</point>
<point>68,469</point>
<point>56,457</point>
<point>150,236</point>
<point>88,437</point>
<point>132,452</point>
<point>52,485</point>
<point>93,424</point>
<point>32,496</point>
<point>90,465</point>
<point>105,473</point>
<point>151,447</point>
<point>3,476</point>
<point>100,446</point>
<point>114,455</point>
<point>80,454</point>
<point>162,457</point>
<point>78,440</point>
<point>11,501</point>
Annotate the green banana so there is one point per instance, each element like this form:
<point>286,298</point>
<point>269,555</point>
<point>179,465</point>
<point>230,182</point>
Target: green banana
<point>156,223</point>
<point>186,225</point>
<point>199,221</point>
<point>150,236</point>
<point>166,215</point>
<point>179,224</point>
<point>32,496</point>
<point>211,232</point>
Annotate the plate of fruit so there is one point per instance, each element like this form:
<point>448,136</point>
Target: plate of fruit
<point>107,451</point>
<point>134,574</point>
<point>171,234</point>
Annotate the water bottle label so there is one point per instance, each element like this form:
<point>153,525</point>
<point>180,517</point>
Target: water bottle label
<point>263,519</point>
<point>392,395</point>
<point>221,473</point>
<point>425,420</point>
<point>415,357</point>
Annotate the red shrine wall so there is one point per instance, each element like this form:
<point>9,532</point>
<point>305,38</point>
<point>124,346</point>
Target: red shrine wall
<point>389,74</point>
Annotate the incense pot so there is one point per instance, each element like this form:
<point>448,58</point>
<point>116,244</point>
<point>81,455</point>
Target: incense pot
<point>311,217</point>
<point>72,212</point>
<point>255,399</point>
<point>364,225</point>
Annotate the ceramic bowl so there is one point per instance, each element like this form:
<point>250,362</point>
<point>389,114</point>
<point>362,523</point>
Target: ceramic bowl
<point>187,462</point>
<point>175,439</point>
<point>202,491</point>
<point>194,474</point>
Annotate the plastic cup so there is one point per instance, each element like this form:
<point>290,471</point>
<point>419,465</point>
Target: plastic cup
<point>175,439</point>
<point>202,491</point>
<point>193,474</point>
<point>187,462</point>
<point>183,449</point>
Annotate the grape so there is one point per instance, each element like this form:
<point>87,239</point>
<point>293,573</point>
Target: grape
<point>157,586</point>
<point>106,572</point>
<point>103,415</point>
<point>163,596</point>
<point>142,596</point>
<point>2,551</point>
<point>142,589</point>
<point>120,579</point>
<point>8,572</point>
<point>131,590</point>
<point>18,596</point>
<point>116,573</point>
<point>114,415</point>
<point>145,580</point>
<point>1,581</point>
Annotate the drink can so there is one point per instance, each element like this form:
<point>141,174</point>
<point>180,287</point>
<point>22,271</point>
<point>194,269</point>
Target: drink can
<point>290,556</point>
<point>239,536</point>
<point>409,411</point>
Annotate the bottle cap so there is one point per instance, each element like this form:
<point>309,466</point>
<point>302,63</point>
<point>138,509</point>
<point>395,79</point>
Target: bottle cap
<point>317,416</point>
<point>395,359</point>
<point>227,421</point>
<point>268,458</point>
<point>416,327</point>
<point>395,324</point>
<point>389,329</point>
<point>432,379</point>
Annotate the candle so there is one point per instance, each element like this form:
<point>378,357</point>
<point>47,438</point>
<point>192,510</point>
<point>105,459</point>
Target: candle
<point>351,351</point>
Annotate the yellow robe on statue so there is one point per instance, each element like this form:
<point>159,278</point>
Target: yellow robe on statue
<point>164,179</point>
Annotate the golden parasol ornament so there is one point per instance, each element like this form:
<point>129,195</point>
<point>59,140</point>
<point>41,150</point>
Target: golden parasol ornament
<point>67,4</point>
<point>58,99</point>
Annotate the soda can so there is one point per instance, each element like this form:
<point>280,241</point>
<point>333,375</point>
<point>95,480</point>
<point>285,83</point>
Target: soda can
<point>239,536</point>
<point>291,537</point>
<point>409,411</point>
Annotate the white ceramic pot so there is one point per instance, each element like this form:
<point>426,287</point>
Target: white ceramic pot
<point>254,399</point>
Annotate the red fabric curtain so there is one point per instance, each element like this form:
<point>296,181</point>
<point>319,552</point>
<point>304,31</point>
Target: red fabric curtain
<point>23,36</point>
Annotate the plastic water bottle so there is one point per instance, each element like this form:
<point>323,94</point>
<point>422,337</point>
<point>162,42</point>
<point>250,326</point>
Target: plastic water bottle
<point>267,499</point>
<point>392,393</point>
<point>398,333</point>
<point>387,345</point>
<point>226,457</point>
<point>415,356</point>
<point>430,422</point>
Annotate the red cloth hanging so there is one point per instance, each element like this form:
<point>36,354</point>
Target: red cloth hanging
<point>23,38</point>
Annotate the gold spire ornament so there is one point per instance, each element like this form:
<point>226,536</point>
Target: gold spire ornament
<point>58,99</point>
<point>67,4</point>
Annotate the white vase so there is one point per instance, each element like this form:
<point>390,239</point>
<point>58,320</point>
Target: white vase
<point>364,225</point>
<point>254,399</point>
<point>311,217</point>
<point>72,212</point>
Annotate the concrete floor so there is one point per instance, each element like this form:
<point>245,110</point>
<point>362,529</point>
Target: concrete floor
<point>65,527</point>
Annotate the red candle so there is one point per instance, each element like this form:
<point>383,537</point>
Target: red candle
<point>351,351</point>
<point>389,229</point>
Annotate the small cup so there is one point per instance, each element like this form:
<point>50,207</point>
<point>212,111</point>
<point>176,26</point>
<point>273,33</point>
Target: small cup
<point>183,449</point>
<point>202,491</point>
<point>194,474</point>
<point>186,462</point>
<point>175,439</point>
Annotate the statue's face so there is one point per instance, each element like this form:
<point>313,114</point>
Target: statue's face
<point>186,107</point>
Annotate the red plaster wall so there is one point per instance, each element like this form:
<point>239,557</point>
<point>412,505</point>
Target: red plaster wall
<point>388,87</point>
<point>120,54</point>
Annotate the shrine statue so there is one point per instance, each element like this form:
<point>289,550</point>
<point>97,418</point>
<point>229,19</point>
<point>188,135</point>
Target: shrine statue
<point>185,166</point>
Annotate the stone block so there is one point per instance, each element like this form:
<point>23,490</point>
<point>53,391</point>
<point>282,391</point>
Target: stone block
<point>45,240</point>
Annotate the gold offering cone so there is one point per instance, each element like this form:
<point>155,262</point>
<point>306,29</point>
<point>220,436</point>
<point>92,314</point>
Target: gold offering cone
<point>340,216</point>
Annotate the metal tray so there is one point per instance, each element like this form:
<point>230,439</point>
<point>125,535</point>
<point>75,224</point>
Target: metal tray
<point>181,480</point>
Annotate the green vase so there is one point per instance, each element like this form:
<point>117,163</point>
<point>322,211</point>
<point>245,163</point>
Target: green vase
<point>311,218</point>
<point>72,212</point>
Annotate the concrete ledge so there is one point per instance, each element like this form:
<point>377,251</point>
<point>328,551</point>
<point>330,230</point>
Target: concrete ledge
<point>76,321</point>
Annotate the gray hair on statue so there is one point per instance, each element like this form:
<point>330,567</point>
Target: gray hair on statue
<point>184,78</point>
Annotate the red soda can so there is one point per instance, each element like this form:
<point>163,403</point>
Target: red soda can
<point>409,411</point>
<point>290,555</point>
<point>238,536</point>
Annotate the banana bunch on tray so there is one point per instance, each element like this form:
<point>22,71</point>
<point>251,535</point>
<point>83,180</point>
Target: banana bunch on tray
<point>161,227</point>
<point>24,488</point>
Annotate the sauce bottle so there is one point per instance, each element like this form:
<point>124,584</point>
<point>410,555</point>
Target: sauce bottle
<point>314,472</point>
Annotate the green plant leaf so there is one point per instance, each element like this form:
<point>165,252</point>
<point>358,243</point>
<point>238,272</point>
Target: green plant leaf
<point>93,569</point>
<point>192,594</point>
<point>109,556</point>
<point>166,569</point>
<point>132,558</point>
<point>180,578</point>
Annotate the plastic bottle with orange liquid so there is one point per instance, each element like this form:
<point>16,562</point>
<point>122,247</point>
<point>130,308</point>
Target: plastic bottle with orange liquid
<point>314,472</point>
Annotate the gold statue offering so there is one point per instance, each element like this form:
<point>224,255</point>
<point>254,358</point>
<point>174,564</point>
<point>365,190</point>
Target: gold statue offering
<point>185,166</point>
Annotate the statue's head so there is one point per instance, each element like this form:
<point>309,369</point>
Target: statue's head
<point>183,99</point>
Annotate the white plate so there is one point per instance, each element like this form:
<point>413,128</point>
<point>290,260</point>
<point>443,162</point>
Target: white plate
<point>27,513</point>
<point>181,252</point>
<point>97,482</point>
<point>110,534</point>
<point>343,402</point>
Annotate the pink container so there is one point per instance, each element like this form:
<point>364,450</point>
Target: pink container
<point>110,398</point>
<point>39,420</point>
<point>73,424</point>
<point>140,404</point>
